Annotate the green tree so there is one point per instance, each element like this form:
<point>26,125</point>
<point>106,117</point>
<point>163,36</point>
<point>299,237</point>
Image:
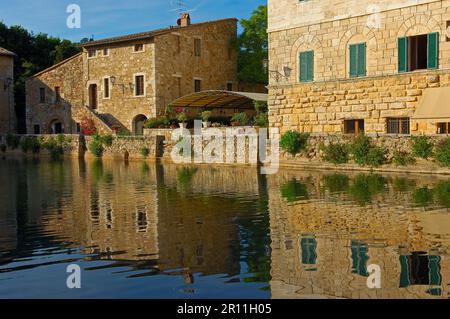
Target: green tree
<point>252,46</point>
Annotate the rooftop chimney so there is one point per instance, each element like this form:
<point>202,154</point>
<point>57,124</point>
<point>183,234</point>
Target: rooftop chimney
<point>185,20</point>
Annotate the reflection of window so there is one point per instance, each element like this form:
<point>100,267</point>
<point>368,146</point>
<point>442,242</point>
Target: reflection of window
<point>420,269</point>
<point>353,126</point>
<point>398,125</point>
<point>359,252</point>
<point>141,219</point>
<point>309,247</point>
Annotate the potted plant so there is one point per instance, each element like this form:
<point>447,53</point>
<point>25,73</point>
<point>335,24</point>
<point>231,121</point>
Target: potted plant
<point>239,119</point>
<point>206,115</point>
<point>182,119</point>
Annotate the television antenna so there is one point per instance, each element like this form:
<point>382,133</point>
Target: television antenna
<point>179,6</point>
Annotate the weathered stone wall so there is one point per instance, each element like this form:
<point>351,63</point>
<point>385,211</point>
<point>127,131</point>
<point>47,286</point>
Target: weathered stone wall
<point>66,75</point>
<point>7,110</point>
<point>163,62</point>
<point>178,67</point>
<point>126,147</point>
<point>323,105</point>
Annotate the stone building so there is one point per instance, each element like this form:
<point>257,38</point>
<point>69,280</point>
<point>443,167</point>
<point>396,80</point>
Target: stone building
<point>120,82</point>
<point>352,66</point>
<point>7,112</point>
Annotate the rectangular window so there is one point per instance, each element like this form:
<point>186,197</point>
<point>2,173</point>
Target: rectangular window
<point>57,94</point>
<point>92,53</point>
<point>105,52</point>
<point>106,93</point>
<point>353,126</point>
<point>418,52</point>
<point>307,66</point>
<point>139,85</point>
<point>37,129</point>
<point>138,47</point>
<point>197,47</point>
<point>42,95</point>
<point>178,43</point>
<point>398,125</point>
<point>78,128</point>
<point>443,128</point>
<point>230,86</point>
<point>358,60</point>
<point>198,85</point>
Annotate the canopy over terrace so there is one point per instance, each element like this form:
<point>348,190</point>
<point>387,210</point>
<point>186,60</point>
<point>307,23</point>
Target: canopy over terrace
<point>238,101</point>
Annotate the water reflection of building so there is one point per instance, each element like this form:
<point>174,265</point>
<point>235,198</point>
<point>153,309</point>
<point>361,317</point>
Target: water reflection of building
<point>145,215</point>
<point>322,243</point>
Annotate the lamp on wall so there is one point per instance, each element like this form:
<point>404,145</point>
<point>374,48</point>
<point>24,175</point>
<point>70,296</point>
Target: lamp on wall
<point>275,74</point>
<point>113,80</point>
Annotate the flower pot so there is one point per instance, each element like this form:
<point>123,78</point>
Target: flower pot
<point>206,124</point>
<point>182,125</point>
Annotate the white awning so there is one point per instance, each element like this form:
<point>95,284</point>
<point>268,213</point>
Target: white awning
<point>434,104</point>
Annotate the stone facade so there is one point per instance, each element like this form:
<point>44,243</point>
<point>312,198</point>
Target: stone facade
<point>328,29</point>
<point>168,61</point>
<point>7,112</point>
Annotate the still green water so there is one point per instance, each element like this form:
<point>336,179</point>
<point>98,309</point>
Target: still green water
<point>146,230</point>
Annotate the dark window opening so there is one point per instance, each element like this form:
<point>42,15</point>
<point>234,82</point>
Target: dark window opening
<point>138,47</point>
<point>42,95</point>
<point>198,85</point>
<point>353,126</point>
<point>106,88</point>
<point>105,52</point>
<point>92,53</point>
<point>197,47</point>
<point>78,128</point>
<point>37,129</point>
<point>398,126</point>
<point>443,128</point>
<point>139,90</point>
<point>418,52</point>
<point>229,86</point>
<point>57,94</point>
<point>93,96</point>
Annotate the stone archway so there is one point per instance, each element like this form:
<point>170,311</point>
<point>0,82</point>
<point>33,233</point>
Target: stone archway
<point>56,127</point>
<point>138,124</point>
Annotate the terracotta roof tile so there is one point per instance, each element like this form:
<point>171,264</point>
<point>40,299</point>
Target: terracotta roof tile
<point>148,34</point>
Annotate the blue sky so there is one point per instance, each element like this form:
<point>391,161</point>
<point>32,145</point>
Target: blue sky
<point>105,18</point>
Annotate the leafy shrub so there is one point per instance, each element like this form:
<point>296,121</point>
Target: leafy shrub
<point>182,118</point>
<point>3,148</point>
<point>240,119</point>
<point>96,148</point>
<point>260,107</point>
<point>55,148</point>
<point>294,142</point>
<point>60,139</point>
<point>365,153</point>
<point>156,122</point>
<point>402,158</point>
<point>442,152</point>
<point>376,156</point>
<point>106,140</point>
<point>145,152</point>
<point>30,144</point>
<point>335,153</point>
<point>261,120</point>
<point>422,147</point>
<point>12,141</point>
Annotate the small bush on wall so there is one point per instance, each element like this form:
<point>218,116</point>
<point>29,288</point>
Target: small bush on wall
<point>335,153</point>
<point>366,154</point>
<point>294,142</point>
<point>145,152</point>
<point>422,147</point>
<point>12,141</point>
<point>402,158</point>
<point>442,152</point>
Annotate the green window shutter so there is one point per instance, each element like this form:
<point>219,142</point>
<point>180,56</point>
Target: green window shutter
<point>311,66</point>
<point>402,55</point>
<point>433,50</point>
<point>362,70</point>
<point>353,61</point>
<point>303,67</point>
